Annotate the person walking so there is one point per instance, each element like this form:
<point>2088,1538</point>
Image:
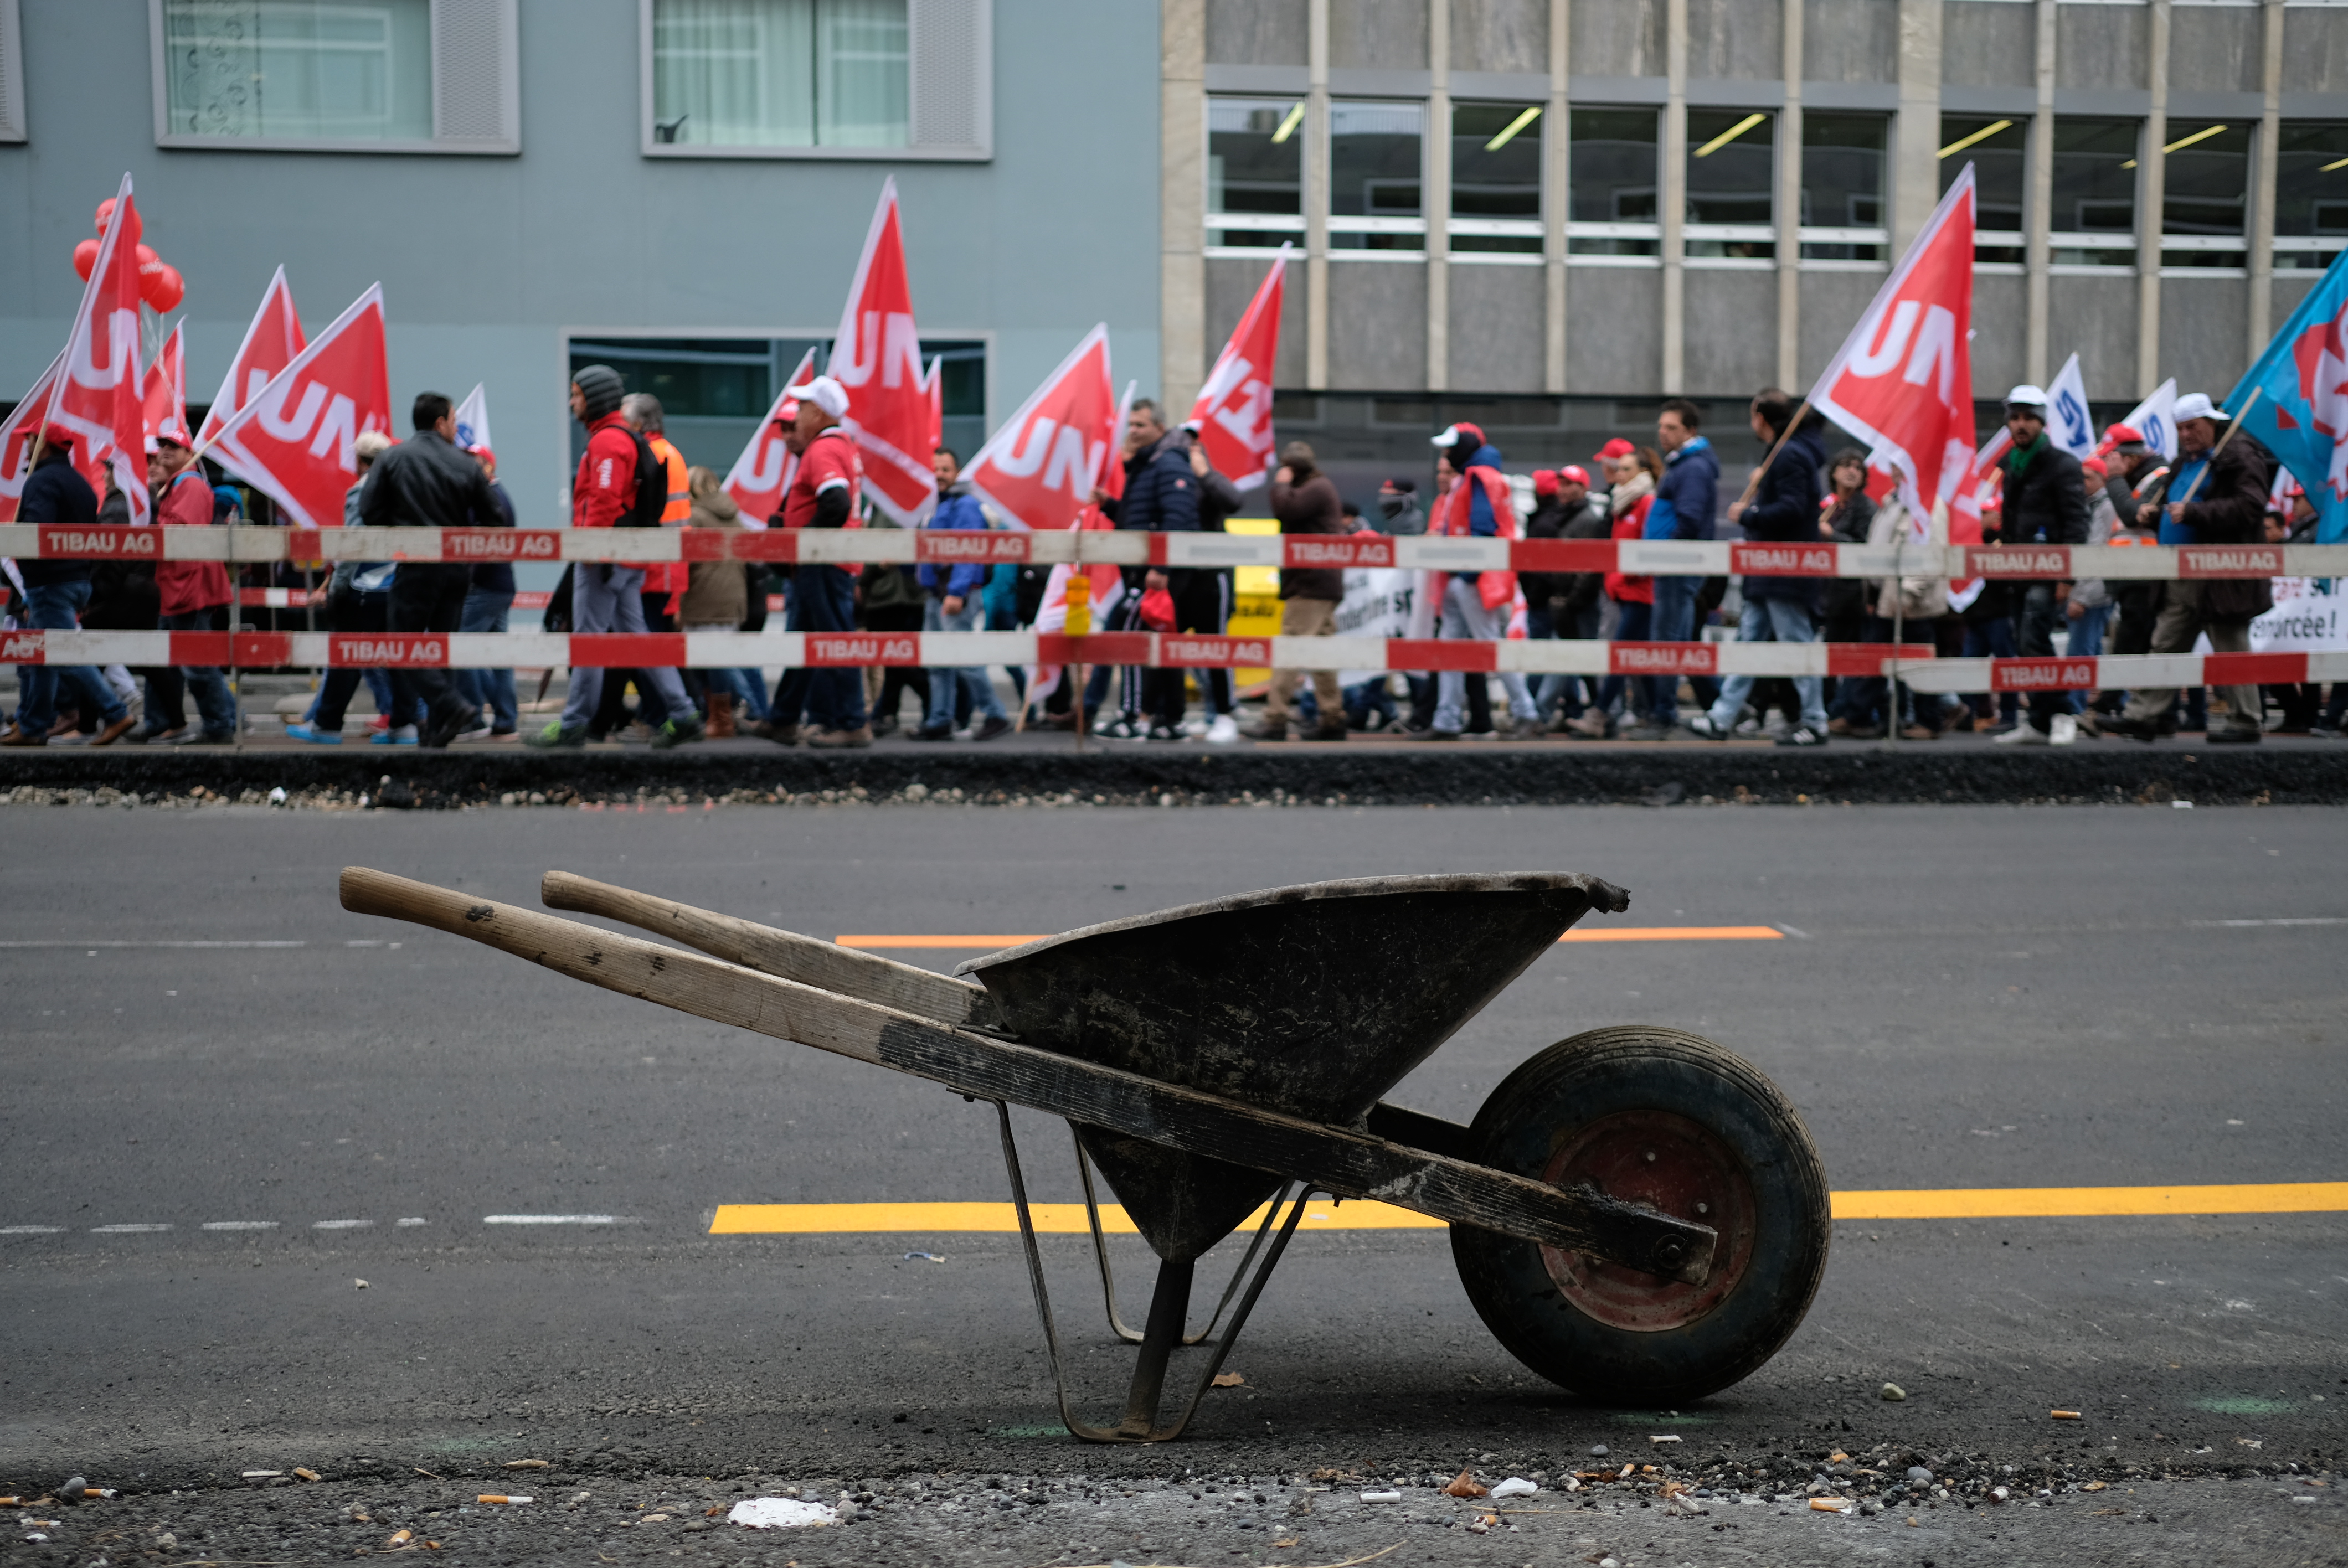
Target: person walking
<point>1687,497</point>
<point>1784,509</point>
<point>824,494</point>
<point>56,593</point>
<point>1630,493</point>
<point>620,484</point>
<point>2228,490</point>
<point>1563,605</point>
<point>2046,503</point>
<point>1202,598</point>
<point>489,607</point>
<point>1479,504</point>
<point>1161,496</point>
<point>716,598</point>
<point>428,482</point>
<point>359,600</point>
<point>191,596</point>
<point>952,602</point>
<point>1306,500</point>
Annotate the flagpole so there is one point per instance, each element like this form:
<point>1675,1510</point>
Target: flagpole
<point>1754,483</point>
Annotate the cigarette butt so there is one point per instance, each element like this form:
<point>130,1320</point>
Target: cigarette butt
<point>97,1491</point>
<point>2064,1415</point>
<point>11,1503</point>
<point>305,1472</point>
<point>526,1464</point>
<point>400,1538</point>
<point>1828,1505</point>
<point>499,1497</point>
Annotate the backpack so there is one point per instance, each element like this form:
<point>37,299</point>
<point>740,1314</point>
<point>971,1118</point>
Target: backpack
<point>651,487</point>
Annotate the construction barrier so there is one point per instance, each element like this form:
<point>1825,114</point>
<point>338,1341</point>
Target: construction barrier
<point>944,547</point>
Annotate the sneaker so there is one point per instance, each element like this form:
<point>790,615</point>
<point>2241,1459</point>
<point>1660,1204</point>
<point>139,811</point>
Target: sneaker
<point>1163,732</point>
<point>1327,731</point>
<point>854,740</point>
<point>184,735</point>
<point>926,732</point>
<point>2320,730</point>
<point>1644,731</point>
<point>2024,734</point>
<point>1119,728</point>
<point>71,738</point>
<point>554,737</point>
<point>675,733</point>
<point>228,737</point>
<point>1431,733</point>
<point>2231,735</point>
<point>479,731</point>
<point>2065,730</point>
<point>886,725</point>
<point>993,725</point>
<point>1263,730</point>
<point>403,736</point>
<point>781,734</point>
<point>2146,729</point>
<point>312,735</point>
<point>1703,727</point>
<point>1223,732</point>
<point>1802,736</point>
<point>1593,726</point>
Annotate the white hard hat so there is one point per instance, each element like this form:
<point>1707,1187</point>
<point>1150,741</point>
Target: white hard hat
<point>2026,396</point>
<point>2197,406</point>
<point>824,393</point>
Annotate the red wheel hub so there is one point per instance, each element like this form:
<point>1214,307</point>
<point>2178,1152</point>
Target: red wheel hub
<point>1667,1163</point>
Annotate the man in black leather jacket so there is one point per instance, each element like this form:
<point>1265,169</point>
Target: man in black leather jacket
<point>2045,503</point>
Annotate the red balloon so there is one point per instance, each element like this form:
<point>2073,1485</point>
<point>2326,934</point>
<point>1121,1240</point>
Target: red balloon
<point>162,288</point>
<point>85,257</point>
<point>147,258</point>
<point>105,210</point>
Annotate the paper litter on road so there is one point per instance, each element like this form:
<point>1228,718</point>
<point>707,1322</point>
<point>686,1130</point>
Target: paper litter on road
<point>1515,1486</point>
<point>780,1513</point>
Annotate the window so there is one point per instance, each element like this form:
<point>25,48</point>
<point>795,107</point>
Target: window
<point>1255,170</point>
<point>1611,169</point>
<point>1999,151</point>
<point>1376,177</point>
<point>1496,176</point>
<point>2093,222</point>
<point>818,79</point>
<point>2204,179</point>
<point>2311,193</point>
<point>1842,187</point>
<point>1732,165</point>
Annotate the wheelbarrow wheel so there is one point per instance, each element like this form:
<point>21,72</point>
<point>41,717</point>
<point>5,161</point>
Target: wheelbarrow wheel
<point>1658,1117</point>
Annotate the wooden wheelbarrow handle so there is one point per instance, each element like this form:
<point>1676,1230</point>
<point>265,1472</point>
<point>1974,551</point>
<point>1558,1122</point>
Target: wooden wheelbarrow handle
<point>1336,1159</point>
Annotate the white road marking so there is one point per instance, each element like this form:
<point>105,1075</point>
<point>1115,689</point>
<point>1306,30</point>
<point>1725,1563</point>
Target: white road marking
<point>416,1221</point>
<point>126,1230</point>
<point>559,1219</point>
<point>340,1225</point>
<point>2284,920</point>
<point>240,1225</point>
<point>31,1230</point>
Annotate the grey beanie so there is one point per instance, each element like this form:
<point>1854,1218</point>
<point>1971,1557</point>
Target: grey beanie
<point>599,386</point>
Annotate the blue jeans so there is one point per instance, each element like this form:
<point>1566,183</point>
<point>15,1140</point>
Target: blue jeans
<point>1991,638</point>
<point>970,677</point>
<point>1466,619</point>
<point>1635,623</point>
<point>57,607</point>
<point>822,599</point>
<point>2087,642</point>
<point>1775,620</point>
<point>1674,621</point>
<point>214,702</point>
<point>491,690</point>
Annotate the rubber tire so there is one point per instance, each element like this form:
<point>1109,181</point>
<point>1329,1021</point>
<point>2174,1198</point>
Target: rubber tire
<point>1631,1068</point>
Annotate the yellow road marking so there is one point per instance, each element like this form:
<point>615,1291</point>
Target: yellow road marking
<point>1590,934</point>
<point>1984,1202</point>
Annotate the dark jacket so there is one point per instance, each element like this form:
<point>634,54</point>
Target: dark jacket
<point>1311,506</point>
<point>1219,501</point>
<point>496,575</point>
<point>2046,500</point>
<point>425,482</point>
<point>1845,599</point>
<point>1784,510</point>
<point>1688,495</point>
<point>1583,589</point>
<point>1552,520</point>
<point>1162,494</point>
<point>56,493</point>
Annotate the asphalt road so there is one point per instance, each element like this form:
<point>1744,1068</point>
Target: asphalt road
<point>1966,1000</point>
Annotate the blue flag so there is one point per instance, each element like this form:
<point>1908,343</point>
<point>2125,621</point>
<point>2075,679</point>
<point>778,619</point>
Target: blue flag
<point>2301,414</point>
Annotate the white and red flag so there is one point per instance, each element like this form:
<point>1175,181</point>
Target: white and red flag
<point>297,440</point>
<point>17,433</point>
<point>765,468</point>
<point>269,346</point>
<point>1233,412</point>
<point>1903,380</point>
<point>97,397</point>
<point>165,396</point>
<point>1106,582</point>
<point>1039,468</point>
<point>878,358</point>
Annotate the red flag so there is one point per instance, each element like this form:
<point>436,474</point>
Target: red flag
<point>1107,582</point>
<point>1233,412</point>
<point>1039,469</point>
<point>296,440</point>
<point>878,358</point>
<point>97,397</point>
<point>269,344</point>
<point>165,396</point>
<point>1903,380</point>
<point>17,433</point>
<point>763,471</point>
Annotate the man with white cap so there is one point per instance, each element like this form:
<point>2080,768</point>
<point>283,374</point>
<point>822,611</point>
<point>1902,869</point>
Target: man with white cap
<point>2045,503</point>
<point>2228,483</point>
<point>823,495</point>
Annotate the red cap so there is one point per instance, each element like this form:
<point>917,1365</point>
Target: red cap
<point>1615,450</point>
<point>1572,474</point>
<point>2097,467</point>
<point>1544,481</point>
<point>56,435</point>
<point>485,453</point>
<point>2119,436</point>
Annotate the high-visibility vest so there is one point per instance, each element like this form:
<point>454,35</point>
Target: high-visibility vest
<point>671,577</point>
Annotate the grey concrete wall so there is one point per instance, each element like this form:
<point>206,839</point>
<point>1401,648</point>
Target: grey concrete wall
<point>2100,46</point>
<point>2001,346</point>
<point>1851,40</point>
<point>2315,51</point>
<point>1617,38</point>
<point>1378,34</point>
<point>1732,333</point>
<point>1988,44</point>
<point>1736,39</point>
<point>2097,317</point>
<point>488,263</point>
<point>1232,282</point>
<point>2204,322</point>
<point>1613,330</point>
<point>1500,34</point>
<point>2215,49</point>
<point>1832,303</point>
<point>1257,33</point>
<point>2290,289</point>
<point>1378,326</point>
<point>1497,342</point>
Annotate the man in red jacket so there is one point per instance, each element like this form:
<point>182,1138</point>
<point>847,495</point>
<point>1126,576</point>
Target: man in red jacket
<point>607,596</point>
<point>193,594</point>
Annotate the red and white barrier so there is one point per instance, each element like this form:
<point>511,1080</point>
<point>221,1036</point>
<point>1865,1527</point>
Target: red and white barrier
<point>1668,558</point>
<point>734,650</point>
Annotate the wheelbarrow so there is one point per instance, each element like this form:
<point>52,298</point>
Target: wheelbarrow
<point>1637,1213</point>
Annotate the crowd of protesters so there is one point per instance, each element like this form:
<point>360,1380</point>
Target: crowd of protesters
<point>2218,491</point>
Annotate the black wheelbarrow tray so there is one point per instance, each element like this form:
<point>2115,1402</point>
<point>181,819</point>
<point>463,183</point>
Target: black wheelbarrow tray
<point>1637,1213</point>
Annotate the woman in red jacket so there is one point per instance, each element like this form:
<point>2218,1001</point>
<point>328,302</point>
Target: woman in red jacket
<point>1630,500</point>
